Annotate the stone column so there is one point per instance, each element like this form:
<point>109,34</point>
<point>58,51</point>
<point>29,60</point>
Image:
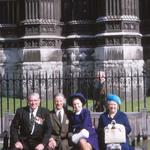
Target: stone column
<point>118,37</point>
<point>40,35</point>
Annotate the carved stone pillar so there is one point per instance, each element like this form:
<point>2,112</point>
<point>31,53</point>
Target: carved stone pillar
<point>118,38</point>
<point>40,34</point>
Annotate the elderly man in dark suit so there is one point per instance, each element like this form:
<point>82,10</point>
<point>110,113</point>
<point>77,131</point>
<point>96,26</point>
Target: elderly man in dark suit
<point>60,124</point>
<point>30,129</point>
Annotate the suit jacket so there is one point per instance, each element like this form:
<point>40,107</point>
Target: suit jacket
<point>20,126</point>
<point>60,130</point>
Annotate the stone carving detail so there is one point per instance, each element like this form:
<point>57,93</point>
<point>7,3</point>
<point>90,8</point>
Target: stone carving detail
<point>126,26</point>
<point>32,30</point>
<point>132,26</point>
<point>72,56</point>
<point>47,43</point>
<point>138,40</point>
<point>114,26</point>
<point>129,26</point>
<point>113,40</point>
<point>39,43</point>
<point>109,41</point>
<point>130,40</point>
<point>48,29</point>
<point>39,21</point>
<point>126,40</point>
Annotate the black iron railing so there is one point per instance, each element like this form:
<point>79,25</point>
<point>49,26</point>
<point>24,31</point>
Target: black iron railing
<point>15,88</point>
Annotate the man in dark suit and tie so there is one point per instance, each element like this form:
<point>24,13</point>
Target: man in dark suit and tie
<point>31,128</point>
<point>60,124</point>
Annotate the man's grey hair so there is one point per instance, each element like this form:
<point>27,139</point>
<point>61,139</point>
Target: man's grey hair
<point>34,95</point>
<point>62,95</point>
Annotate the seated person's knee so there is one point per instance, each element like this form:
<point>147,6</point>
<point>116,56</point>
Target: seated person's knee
<point>83,143</point>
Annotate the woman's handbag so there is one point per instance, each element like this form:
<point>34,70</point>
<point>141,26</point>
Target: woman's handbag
<point>115,133</point>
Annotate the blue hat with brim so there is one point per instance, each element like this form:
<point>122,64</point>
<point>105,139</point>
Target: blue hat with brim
<point>76,95</point>
<point>113,97</point>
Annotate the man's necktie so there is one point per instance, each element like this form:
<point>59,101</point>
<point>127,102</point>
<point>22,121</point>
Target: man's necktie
<point>59,116</point>
<point>31,121</point>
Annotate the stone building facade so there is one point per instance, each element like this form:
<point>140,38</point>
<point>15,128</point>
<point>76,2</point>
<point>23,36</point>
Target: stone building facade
<point>74,35</point>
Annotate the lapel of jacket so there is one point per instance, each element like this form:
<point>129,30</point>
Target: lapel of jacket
<point>38,114</point>
<point>65,120</point>
<point>27,117</point>
<point>56,118</point>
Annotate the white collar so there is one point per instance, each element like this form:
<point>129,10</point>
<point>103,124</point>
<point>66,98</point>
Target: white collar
<point>77,113</point>
<point>34,111</point>
<point>59,110</point>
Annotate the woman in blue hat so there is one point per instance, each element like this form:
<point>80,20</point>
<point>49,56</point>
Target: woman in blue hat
<point>82,133</point>
<point>113,114</point>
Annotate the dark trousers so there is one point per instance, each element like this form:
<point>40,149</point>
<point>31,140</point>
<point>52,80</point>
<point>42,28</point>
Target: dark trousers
<point>28,144</point>
<point>25,148</point>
